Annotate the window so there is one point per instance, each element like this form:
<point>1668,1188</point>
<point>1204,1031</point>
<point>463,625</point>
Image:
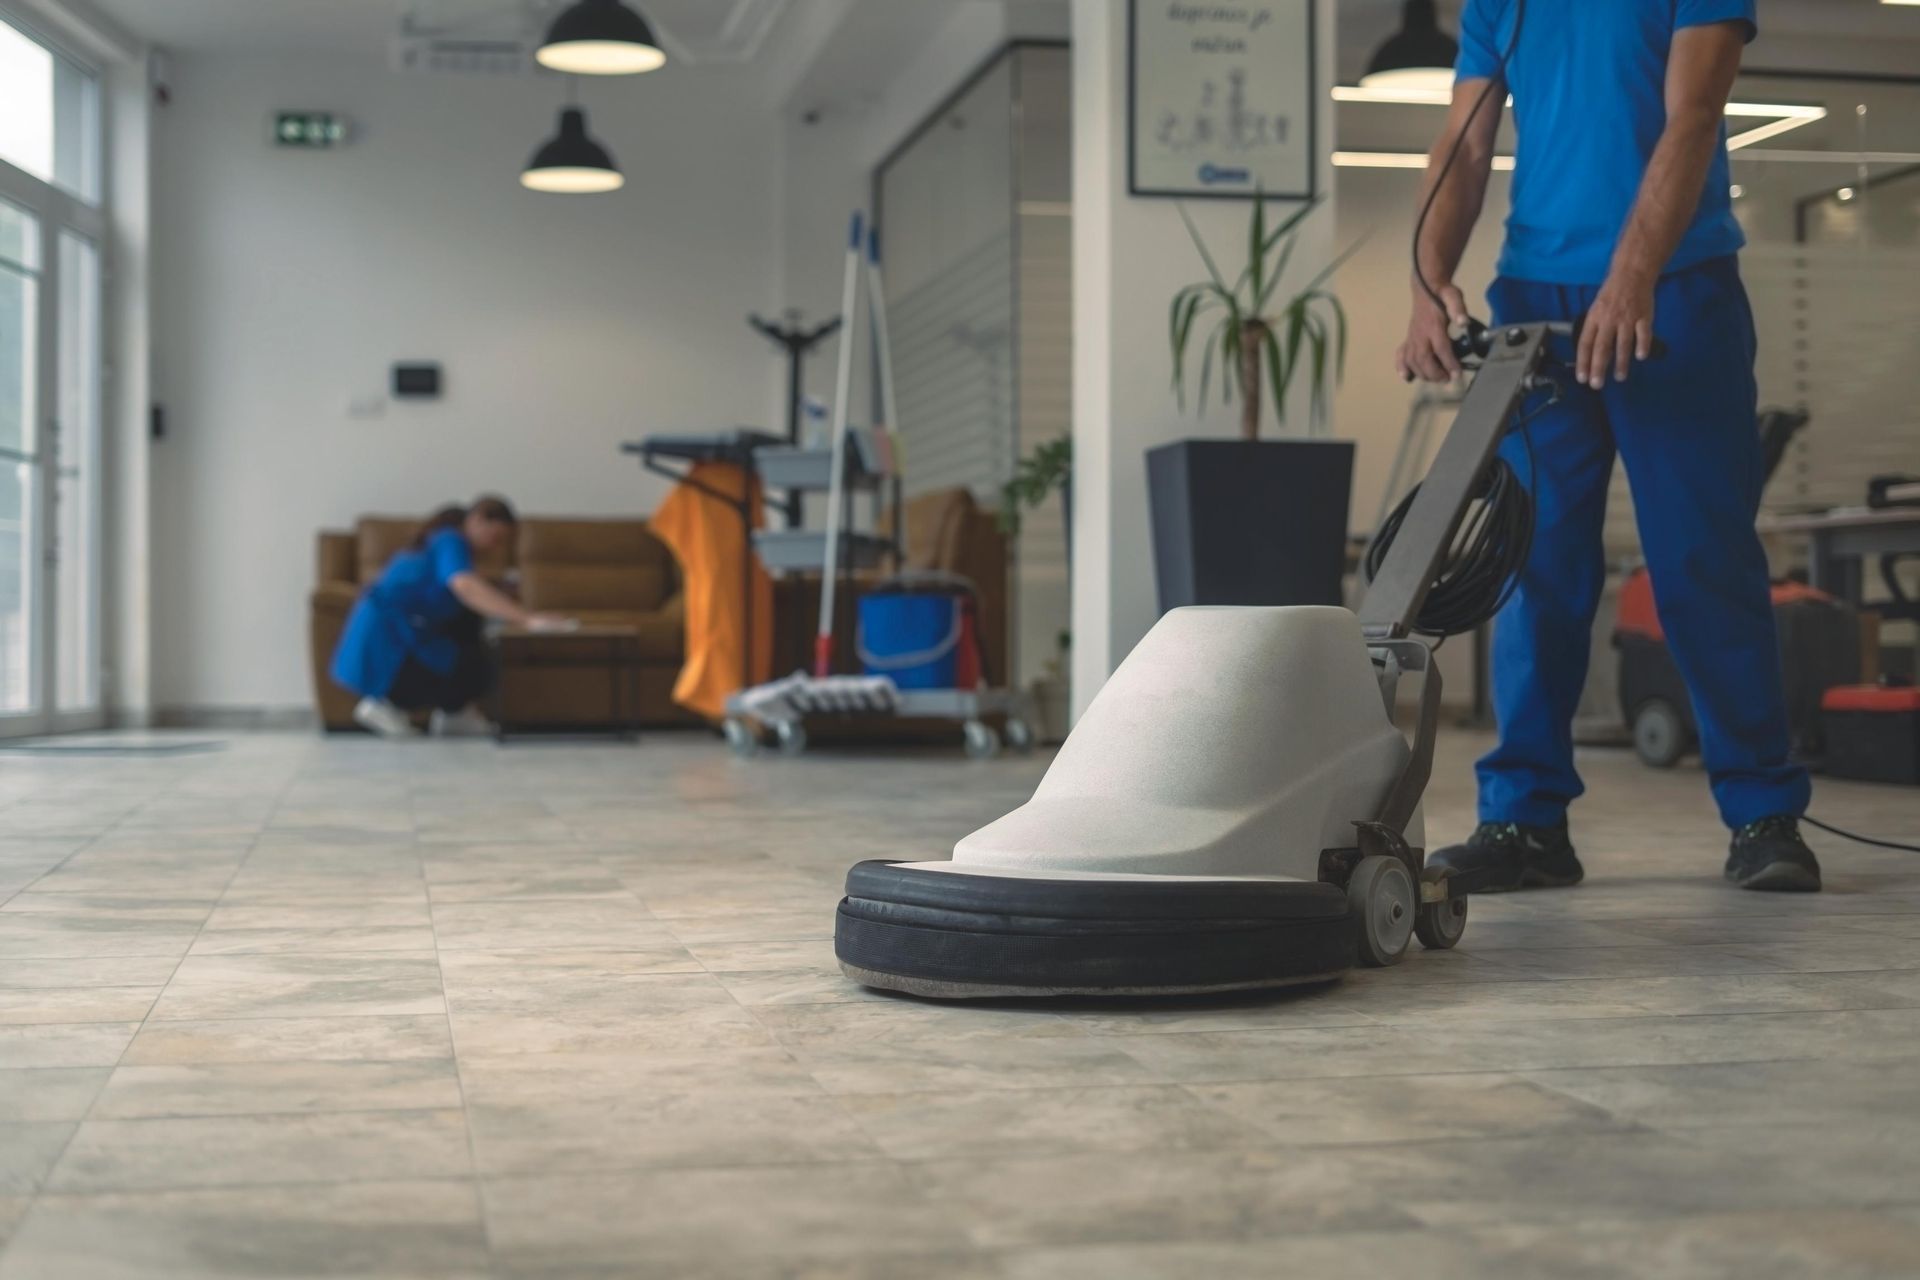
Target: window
<point>49,115</point>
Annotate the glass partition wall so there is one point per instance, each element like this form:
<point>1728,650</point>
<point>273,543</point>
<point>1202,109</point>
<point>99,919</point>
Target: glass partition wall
<point>51,371</point>
<point>974,210</point>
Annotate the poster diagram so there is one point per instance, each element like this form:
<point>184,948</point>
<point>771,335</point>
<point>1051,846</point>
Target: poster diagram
<point>1221,97</point>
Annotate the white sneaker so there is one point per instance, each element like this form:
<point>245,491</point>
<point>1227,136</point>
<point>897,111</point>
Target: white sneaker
<point>383,718</point>
<point>468,723</point>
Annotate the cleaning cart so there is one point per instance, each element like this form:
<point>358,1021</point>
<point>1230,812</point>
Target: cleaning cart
<point>895,683</point>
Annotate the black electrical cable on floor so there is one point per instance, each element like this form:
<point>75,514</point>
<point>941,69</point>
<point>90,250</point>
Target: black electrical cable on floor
<point>1844,834</point>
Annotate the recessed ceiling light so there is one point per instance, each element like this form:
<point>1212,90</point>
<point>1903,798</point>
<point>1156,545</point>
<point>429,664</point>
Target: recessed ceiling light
<point>1844,193</point>
<point>1736,191</point>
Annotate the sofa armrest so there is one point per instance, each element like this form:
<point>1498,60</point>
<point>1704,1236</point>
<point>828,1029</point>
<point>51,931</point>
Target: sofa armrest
<point>338,557</point>
<point>327,610</point>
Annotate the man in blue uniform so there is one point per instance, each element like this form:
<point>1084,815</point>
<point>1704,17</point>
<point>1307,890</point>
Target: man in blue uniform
<point>1621,218</point>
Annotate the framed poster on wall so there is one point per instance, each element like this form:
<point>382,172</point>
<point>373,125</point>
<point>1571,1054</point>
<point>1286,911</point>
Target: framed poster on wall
<point>1221,98</point>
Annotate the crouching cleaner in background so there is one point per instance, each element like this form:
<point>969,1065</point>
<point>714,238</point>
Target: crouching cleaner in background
<point>414,641</point>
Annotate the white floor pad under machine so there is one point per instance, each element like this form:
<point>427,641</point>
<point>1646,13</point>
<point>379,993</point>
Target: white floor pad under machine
<point>1236,809</point>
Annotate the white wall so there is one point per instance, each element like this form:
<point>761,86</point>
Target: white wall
<point>289,281</point>
<point>1130,255</point>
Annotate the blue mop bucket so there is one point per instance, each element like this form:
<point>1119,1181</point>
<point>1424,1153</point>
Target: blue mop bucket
<point>913,637</point>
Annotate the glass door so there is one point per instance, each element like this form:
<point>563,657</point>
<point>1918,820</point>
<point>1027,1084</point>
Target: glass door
<point>73,461</point>
<point>51,388</point>
<point>23,708</point>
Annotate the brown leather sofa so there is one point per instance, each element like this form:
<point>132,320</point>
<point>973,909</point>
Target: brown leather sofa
<point>601,571</point>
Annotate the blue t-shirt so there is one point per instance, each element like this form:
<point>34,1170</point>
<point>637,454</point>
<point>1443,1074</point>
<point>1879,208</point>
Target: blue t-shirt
<point>1589,102</point>
<point>404,613</point>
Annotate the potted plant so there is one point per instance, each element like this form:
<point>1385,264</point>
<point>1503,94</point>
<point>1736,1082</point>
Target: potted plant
<point>1252,521</point>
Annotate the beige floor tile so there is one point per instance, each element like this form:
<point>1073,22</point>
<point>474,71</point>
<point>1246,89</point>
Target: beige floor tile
<point>288,986</point>
<point>28,1152</point>
<point>314,941</point>
<point>48,934</point>
<point>665,1222</point>
<point>13,1209</point>
<point>1179,1195</point>
<point>1402,1109</point>
<point>663,1130</point>
<point>75,1004</point>
<point>255,1150</point>
<point>329,1039</point>
<point>533,1079</point>
<point>257,1088</point>
<point>392,1230</point>
<point>88,971</point>
<point>49,1093</point>
<point>982,1124</point>
<point>86,1044</point>
<point>546,923</point>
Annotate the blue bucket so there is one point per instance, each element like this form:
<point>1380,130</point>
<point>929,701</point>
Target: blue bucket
<point>913,638</point>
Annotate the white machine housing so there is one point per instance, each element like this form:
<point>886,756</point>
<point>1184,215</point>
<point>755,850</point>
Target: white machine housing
<point>1232,742</point>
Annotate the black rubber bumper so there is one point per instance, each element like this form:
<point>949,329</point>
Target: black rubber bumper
<point>958,935</point>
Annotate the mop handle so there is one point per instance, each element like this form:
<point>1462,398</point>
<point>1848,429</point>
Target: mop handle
<point>842,393</point>
<point>883,352</point>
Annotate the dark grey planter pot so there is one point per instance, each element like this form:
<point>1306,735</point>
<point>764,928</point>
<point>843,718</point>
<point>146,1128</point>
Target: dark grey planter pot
<point>1259,522</point>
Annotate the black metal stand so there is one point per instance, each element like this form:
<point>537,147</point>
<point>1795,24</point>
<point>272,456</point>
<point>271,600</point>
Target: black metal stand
<point>796,340</point>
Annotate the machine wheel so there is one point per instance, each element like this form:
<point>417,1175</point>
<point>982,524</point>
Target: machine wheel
<point>1439,925</point>
<point>1019,735</point>
<point>741,739</point>
<point>791,735</point>
<point>982,742</point>
<point>1383,901</point>
<point>1660,734</point>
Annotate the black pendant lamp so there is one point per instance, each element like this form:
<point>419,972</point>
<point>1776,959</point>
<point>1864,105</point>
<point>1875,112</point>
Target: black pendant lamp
<point>600,38</point>
<point>1418,56</point>
<point>571,162</point>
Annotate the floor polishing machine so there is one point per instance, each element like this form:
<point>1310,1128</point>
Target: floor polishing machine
<point>1237,809</point>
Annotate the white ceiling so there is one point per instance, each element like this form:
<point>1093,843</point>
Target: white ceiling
<point>699,30</point>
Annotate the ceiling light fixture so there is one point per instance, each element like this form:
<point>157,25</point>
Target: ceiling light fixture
<point>1417,56</point>
<point>1736,191</point>
<point>600,38</point>
<point>1844,193</point>
<point>1399,160</point>
<point>571,162</point>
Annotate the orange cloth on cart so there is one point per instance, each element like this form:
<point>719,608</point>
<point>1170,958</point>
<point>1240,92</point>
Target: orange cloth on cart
<point>706,536</point>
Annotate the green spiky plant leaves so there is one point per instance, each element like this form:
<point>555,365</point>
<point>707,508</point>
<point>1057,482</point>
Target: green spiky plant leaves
<point>1262,344</point>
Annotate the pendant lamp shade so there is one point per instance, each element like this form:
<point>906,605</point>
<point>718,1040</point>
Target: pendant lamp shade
<point>600,38</point>
<point>571,161</point>
<point>1418,56</point>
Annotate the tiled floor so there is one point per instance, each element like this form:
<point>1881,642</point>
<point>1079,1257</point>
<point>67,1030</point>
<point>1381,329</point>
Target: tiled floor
<point>319,1008</point>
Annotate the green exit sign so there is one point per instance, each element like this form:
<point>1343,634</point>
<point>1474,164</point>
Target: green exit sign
<point>308,129</point>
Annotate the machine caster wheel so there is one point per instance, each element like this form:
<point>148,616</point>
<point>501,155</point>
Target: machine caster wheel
<point>741,739</point>
<point>1383,901</point>
<point>1019,736</point>
<point>1439,925</point>
<point>982,742</point>
<point>1660,734</point>
<point>791,736</point>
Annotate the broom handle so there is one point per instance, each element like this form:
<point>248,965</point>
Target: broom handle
<point>842,393</point>
<point>883,351</point>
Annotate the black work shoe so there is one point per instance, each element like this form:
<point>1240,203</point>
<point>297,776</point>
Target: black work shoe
<point>1769,854</point>
<point>1500,856</point>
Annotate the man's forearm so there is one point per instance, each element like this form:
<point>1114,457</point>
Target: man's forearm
<point>1669,196</point>
<point>1450,223</point>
